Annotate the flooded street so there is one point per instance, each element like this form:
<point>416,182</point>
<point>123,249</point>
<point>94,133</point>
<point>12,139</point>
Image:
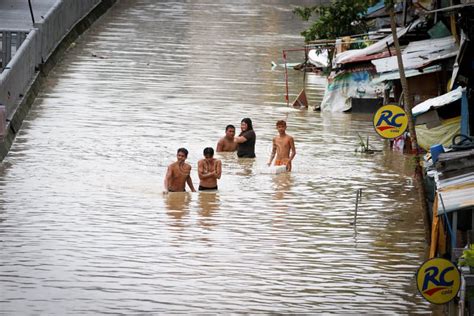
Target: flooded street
<point>85,228</point>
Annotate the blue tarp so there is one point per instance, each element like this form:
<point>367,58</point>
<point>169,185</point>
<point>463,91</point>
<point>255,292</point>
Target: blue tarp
<point>379,5</point>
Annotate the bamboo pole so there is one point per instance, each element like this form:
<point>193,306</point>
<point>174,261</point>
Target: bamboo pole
<point>408,105</point>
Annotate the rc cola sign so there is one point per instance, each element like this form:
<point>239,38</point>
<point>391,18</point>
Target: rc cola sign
<point>390,121</point>
<point>438,280</point>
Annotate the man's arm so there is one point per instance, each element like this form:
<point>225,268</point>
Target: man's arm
<point>291,143</point>
<point>167,179</point>
<point>200,170</point>
<point>201,173</point>
<point>292,148</point>
<point>274,148</point>
<point>220,145</point>
<point>190,181</point>
<point>218,169</point>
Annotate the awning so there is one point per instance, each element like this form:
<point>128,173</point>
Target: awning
<point>438,102</point>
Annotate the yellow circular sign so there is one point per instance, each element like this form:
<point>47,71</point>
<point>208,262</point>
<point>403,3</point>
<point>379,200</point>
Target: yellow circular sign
<point>438,280</point>
<point>390,121</point>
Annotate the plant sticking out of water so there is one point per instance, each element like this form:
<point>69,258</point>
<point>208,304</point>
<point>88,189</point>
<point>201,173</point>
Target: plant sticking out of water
<point>364,147</point>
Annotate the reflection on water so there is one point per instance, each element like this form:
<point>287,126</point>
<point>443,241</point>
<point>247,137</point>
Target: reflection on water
<point>177,204</point>
<point>282,184</point>
<point>208,207</point>
<point>208,203</point>
<point>85,229</point>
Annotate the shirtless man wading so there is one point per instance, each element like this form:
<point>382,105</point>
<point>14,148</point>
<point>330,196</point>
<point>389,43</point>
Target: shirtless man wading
<point>179,173</point>
<point>283,147</point>
<point>227,142</point>
<point>209,170</point>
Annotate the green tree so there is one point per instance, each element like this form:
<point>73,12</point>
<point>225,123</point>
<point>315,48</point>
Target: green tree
<point>341,18</point>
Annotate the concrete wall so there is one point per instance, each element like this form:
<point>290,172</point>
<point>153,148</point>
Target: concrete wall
<point>20,71</point>
<point>59,20</point>
<point>21,80</point>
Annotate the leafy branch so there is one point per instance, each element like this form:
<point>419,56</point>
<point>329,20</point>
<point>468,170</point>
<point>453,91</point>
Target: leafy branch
<point>341,18</point>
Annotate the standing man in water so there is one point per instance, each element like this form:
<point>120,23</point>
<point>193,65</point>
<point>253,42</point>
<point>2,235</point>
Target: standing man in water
<point>246,140</point>
<point>179,173</point>
<point>209,170</point>
<point>283,147</point>
<point>227,142</point>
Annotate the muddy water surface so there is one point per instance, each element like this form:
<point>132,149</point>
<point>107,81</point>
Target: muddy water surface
<point>85,229</point>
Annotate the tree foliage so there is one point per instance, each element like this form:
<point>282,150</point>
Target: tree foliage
<point>341,18</point>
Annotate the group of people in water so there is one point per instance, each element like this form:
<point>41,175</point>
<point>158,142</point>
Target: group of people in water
<point>210,169</point>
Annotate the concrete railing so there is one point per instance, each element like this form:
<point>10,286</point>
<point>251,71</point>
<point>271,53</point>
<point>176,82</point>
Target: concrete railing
<point>15,78</point>
<point>37,47</point>
<point>39,52</point>
<point>59,20</point>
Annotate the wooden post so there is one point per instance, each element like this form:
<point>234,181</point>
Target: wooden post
<point>286,80</point>
<point>408,105</point>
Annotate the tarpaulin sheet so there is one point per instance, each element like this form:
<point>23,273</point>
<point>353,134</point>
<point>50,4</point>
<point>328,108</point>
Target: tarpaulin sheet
<point>343,87</point>
<point>439,101</point>
<point>354,54</point>
<point>442,134</point>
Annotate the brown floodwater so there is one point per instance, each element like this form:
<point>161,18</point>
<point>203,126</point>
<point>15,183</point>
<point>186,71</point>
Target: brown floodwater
<point>85,228</point>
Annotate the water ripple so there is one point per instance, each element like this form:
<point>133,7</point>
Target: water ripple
<point>84,228</point>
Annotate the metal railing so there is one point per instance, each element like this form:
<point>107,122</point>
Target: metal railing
<point>10,42</point>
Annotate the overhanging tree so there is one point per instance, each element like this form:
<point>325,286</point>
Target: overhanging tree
<point>341,18</point>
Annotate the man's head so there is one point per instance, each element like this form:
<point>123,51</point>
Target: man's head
<point>281,126</point>
<point>230,131</point>
<point>208,152</point>
<point>246,124</point>
<point>182,154</point>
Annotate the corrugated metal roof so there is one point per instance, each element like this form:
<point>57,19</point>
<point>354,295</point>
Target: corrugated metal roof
<point>455,180</point>
<point>419,54</point>
<point>408,73</point>
<point>438,101</point>
<point>457,194</point>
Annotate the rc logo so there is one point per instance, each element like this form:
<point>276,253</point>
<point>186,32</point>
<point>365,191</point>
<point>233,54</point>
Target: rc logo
<point>390,121</point>
<point>438,280</point>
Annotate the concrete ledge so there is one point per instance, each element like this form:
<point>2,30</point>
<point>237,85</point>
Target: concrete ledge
<point>32,90</point>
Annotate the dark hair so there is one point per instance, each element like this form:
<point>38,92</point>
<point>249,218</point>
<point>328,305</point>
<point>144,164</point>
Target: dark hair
<point>208,151</point>
<point>248,122</point>
<point>229,126</point>
<point>183,150</point>
<point>281,122</point>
